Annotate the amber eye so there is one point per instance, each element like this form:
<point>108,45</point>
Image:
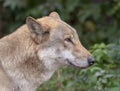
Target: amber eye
<point>69,40</point>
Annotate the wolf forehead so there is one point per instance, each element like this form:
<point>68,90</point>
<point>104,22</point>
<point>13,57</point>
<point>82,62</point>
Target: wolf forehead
<point>52,22</point>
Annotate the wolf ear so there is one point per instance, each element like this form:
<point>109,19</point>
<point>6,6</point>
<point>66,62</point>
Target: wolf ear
<point>33,25</point>
<point>54,15</point>
<point>38,31</point>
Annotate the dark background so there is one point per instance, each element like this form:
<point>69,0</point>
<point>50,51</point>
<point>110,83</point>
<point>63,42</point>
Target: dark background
<point>98,25</point>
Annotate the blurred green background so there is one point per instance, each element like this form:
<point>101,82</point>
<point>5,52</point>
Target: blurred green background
<point>98,25</point>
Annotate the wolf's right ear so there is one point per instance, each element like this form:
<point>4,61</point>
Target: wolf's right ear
<point>54,15</point>
<point>38,31</point>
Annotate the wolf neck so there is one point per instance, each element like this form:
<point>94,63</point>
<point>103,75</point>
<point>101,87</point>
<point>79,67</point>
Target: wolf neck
<point>25,69</point>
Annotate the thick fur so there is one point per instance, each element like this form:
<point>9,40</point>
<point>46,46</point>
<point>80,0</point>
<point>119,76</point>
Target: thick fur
<point>30,55</point>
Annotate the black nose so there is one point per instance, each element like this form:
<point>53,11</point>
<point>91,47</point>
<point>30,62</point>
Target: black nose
<point>91,60</point>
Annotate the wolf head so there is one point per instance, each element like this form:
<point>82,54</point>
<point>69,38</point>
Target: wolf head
<point>58,43</point>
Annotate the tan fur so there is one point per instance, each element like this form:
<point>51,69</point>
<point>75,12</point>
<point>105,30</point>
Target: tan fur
<point>30,55</point>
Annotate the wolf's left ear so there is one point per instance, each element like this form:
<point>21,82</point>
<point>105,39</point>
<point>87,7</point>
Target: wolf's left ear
<point>34,26</point>
<point>38,31</point>
<point>54,15</point>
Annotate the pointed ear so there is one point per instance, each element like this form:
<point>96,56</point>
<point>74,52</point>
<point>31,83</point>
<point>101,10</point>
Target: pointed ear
<point>34,26</point>
<point>54,15</point>
<point>38,31</point>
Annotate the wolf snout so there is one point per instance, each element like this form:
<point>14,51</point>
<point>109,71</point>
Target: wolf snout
<point>91,60</point>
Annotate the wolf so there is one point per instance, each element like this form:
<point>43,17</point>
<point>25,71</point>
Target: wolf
<point>30,55</point>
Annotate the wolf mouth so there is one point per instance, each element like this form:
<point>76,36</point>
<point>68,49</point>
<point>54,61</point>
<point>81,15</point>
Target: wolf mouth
<point>75,65</point>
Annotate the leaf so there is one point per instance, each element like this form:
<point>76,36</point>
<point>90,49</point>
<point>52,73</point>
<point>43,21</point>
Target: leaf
<point>15,3</point>
<point>114,89</point>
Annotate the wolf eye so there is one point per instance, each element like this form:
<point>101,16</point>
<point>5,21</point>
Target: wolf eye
<point>69,40</point>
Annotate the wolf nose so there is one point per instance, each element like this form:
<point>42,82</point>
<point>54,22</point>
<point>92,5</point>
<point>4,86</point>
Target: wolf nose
<point>91,60</point>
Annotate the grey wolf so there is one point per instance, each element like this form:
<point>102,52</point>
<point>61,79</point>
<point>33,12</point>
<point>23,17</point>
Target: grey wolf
<point>30,55</point>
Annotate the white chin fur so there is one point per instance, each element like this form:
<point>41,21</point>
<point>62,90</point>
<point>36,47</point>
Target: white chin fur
<point>79,63</point>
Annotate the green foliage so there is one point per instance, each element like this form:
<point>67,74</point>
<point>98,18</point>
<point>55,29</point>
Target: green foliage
<point>14,3</point>
<point>97,23</point>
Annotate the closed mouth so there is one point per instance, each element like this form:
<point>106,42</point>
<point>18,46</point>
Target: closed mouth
<point>75,65</point>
